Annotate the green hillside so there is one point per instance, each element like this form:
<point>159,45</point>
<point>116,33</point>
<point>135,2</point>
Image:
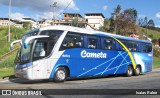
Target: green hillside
<point>16,33</point>
<point>151,33</point>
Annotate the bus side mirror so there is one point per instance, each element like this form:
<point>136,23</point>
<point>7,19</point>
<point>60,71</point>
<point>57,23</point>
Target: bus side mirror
<point>16,41</point>
<point>27,40</point>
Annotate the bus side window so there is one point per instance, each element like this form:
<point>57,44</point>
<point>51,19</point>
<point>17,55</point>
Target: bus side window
<point>72,40</point>
<point>148,47</point>
<point>141,47</point>
<point>132,46</point>
<point>119,46</point>
<point>107,44</point>
<point>40,49</point>
<point>92,42</point>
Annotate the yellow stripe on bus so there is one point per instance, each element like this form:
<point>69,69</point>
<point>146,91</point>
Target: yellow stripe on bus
<point>127,50</point>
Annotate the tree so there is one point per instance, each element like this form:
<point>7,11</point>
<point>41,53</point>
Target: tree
<point>75,22</point>
<point>114,18</point>
<point>126,21</point>
<point>145,23</point>
<point>106,26</point>
<point>151,23</point>
<point>27,25</point>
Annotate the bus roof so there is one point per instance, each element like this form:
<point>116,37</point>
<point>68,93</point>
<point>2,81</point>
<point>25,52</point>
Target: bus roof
<point>87,31</point>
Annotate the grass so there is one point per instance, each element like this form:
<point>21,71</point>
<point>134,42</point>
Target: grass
<point>156,62</point>
<point>142,31</point>
<point>6,72</point>
<point>7,66</point>
<point>16,33</point>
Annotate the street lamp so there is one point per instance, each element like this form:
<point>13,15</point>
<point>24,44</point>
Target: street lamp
<point>9,21</point>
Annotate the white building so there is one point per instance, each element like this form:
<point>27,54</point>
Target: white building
<point>5,22</point>
<point>33,23</point>
<point>94,20</point>
<point>45,23</point>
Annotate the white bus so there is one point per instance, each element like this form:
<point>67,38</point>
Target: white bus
<point>59,52</point>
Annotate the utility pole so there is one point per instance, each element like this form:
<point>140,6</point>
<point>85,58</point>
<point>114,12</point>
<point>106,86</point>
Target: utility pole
<point>9,21</point>
<point>54,10</point>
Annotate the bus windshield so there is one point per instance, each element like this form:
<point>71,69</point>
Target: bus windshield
<point>24,54</point>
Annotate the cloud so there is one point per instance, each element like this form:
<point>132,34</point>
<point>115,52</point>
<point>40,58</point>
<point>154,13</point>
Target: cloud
<point>157,26</point>
<point>105,7</point>
<point>158,15</point>
<point>45,15</point>
<point>70,4</point>
<point>41,5</point>
<point>17,16</point>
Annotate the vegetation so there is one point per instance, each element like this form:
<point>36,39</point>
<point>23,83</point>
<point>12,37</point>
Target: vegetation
<point>121,22</point>
<point>6,66</point>
<point>6,72</point>
<point>156,62</point>
<point>16,33</point>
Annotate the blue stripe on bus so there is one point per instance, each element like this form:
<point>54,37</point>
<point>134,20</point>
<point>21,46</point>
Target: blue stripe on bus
<point>24,65</point>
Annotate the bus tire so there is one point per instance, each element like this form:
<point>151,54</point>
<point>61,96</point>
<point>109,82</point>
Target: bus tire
<point>137,71</point>
<point>60,74</point>
<point>129,71</point>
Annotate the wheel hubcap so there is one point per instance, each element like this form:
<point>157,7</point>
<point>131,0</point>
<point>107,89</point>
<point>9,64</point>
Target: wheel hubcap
<point>61,74</point>
<point>137,70</point>
<point>130,71</point>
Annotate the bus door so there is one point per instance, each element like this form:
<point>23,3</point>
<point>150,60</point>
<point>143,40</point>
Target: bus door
<point>41,52</point>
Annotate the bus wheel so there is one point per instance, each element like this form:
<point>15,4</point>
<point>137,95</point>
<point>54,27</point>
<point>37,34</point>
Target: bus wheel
<point>60,74</point>
<point>137,71</point>
<point>129,71</point>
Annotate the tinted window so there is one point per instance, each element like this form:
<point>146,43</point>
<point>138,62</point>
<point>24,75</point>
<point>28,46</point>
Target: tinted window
<point>72,40</point>
<point>43,48</point>
<point>132,46</point>
<point>92,42</point>
<point>148,47</point>
<point>120,47</point>
<point>54,34</point>
<point>107,44</point>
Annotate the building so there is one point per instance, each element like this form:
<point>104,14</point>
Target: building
<point>134,35</point>
<point>45,22</point>
<point>94,20</point>
<point>33,23</point>
<point>5,22</point>
<point>71,19</point>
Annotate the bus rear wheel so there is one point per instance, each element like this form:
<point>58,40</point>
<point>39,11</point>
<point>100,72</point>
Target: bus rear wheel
<point>129,71</point>
<point>137,71</point>
<point>60,74</point>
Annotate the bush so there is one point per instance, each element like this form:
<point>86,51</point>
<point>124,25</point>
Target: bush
<point>156,52</point>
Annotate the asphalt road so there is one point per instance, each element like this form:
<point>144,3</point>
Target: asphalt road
<point>149,81</point>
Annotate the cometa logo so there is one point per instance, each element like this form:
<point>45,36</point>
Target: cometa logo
<point>85,54</point>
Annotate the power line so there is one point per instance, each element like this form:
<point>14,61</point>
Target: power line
<point>65,8</point>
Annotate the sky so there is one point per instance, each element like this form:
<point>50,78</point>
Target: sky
<point>40,9</point>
